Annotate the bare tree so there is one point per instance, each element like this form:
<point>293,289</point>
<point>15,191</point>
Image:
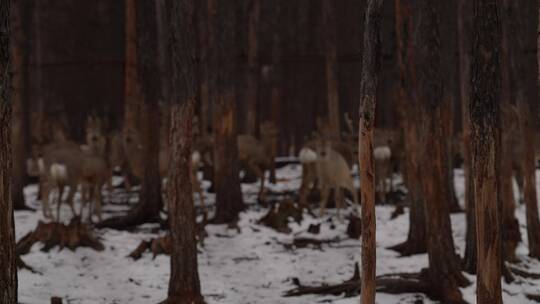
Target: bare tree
<point>484,111</point>
<point>464,44</point>
<point>20,99</point>
<point>229,201</point>
<point>131,85</point>
<point>254,12</point>
<point>184,286</point>
<point>443,275</point>
<point>368,87</point>
<point>521,20</point>
<point>150,200</point>
<point>330,39</point>
<point>416,239</point>
<point>8,273</point>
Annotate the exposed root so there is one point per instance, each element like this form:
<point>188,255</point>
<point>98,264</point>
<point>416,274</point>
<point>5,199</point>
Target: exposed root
<point>305,242</point>
<point>409,248</point>
<point>72,236</point>
<point>156,246</point>
<point>22,265</point>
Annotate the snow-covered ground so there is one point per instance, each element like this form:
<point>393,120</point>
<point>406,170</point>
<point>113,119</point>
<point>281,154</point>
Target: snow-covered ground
<point>250,266</point>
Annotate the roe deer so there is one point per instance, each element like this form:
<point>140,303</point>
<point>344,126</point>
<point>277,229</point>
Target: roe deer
<point>331,171</point>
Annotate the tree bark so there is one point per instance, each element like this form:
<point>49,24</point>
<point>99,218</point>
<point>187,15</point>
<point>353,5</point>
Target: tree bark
<point>131,86</point>
<point>229,201</point>
<point>332,93</point>
<point>20,101</point>
<point>416,239</point>
<point>444,272</point>
<point>522,19</point>
<point>8,273</point>
<point>184,286</point>
<point>464,45</point>
<point>368,87</point>
<point>253,67</point>
<point>484,111</point>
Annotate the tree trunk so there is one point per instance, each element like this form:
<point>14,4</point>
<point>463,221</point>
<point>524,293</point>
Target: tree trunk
<point>184,286</point>
<point>332,94</point>
<point>368,91</point>
<point>464,23</point>
<point>416,239</point>
<point>509,132</point>
<point>21,114</point>
<point>521,21</point>
<point>229,201</point>
<point>444,273</point>
<point>253,67</point>
<point>201,10</point>
<point>484,111</point>
<point>132,85</point>
<point>8,273</point>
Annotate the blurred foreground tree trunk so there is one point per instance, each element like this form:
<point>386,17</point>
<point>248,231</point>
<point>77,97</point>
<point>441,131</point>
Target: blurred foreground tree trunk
<point>132,89</point>
<point>484,111</point>
<point>184,286</point>
<point>252,81</point>
<point>8,268</point>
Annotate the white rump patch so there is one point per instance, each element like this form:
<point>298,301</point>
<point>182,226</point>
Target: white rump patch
<point>307,156</point>
<point>195,157</point>
<point>382,153</point>
<point>58,172</point>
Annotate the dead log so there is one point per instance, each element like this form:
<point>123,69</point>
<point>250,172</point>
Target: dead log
<point>393,284</point>
<point>279,214</point>
<point>72,236</point>
<point>303,242</point>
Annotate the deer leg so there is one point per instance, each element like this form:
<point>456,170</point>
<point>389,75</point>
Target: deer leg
<point>324,198</point>
<point>98,199</point>
<point>262,176</point>
<point>59,201</point>
<point>338,197</point>
<point>45,191</point>
<point>71,194</point>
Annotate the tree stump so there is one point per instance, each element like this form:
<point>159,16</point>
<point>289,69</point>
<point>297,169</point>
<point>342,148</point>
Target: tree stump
<point>72,236</point>
<point>278,218</point>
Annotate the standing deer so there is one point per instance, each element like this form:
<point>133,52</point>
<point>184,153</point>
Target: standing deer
<point>259,156</point>
<point>331,171</point>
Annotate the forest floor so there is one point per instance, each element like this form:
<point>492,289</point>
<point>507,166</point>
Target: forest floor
<point>251,264</point>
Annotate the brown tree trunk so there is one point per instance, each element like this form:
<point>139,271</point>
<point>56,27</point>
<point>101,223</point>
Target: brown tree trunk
<point>509,121</point>
<point>368,91</point>
<point>521,22</point>
<point>201,10</point>
<point>443,274</point>
<point>484,111</point>
<point>332,94</point>
<point>229,201</point>
<point>150,199</point>
<point>184,286</point>
<point>416,239</point>
<point>132,88</point>
<point>253,67</point>
<point>464,23</point>
<point>21,114</point>
<point>8,272</point>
